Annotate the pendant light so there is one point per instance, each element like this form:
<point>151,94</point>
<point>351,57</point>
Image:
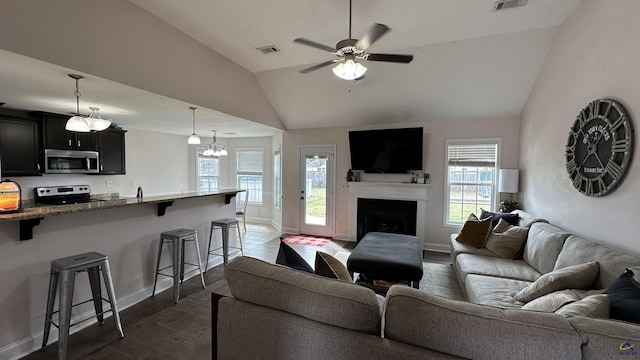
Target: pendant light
<point>77,122</point>
<point>193,139</point>
<point>215,149</point>
<point>80,123</point>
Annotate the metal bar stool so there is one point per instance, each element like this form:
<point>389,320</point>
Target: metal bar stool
<point>177,238</point>
<point>224,225</point>
<point>65,270</point>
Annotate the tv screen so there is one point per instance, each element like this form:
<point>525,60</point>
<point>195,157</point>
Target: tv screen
<point>386,151</point>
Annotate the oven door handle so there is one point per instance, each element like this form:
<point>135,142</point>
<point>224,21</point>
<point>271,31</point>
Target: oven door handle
<point>88,163</point>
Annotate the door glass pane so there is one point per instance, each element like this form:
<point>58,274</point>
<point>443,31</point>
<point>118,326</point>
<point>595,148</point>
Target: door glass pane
<point>316,190</point>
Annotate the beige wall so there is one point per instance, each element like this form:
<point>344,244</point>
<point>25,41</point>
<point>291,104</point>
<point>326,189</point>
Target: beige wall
<point>595,55</point>
<point>119,41</point>
<point>435,134</point>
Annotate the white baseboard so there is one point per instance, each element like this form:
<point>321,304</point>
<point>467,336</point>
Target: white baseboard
<point>343,237</point>
<point>437,247</point>
<point>289,230</point>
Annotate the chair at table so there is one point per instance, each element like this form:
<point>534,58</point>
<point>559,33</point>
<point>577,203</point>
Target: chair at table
<point>241,207</point>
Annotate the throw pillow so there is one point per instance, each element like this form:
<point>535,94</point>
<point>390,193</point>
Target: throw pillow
<point>495,217</point>
<point>554,301</point>
<point>506,240</point>
<point>474,232</point>
<point>581,276</point>
<point>289,257</point>
<point>594,306</point>
<point>624,298</point>
<point>328,266</point>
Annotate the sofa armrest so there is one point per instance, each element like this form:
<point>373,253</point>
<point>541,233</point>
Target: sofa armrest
<point>477,331</point>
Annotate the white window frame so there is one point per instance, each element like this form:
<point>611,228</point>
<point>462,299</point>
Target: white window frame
<point>199,151</point>
<point>493,196</point>
<point>254,197</point>
<point>277,177</point>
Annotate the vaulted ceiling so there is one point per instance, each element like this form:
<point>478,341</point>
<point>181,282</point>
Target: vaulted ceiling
<point>469,62</point>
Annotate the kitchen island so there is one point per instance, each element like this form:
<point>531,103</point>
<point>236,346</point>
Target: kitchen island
<point>31,213</point>
<point>125,229</point>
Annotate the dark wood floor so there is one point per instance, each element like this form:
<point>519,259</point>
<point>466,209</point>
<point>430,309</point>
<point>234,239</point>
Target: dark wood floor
<point>157,328</point>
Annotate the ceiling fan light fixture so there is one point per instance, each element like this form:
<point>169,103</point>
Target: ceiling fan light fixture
<point>349,69</point>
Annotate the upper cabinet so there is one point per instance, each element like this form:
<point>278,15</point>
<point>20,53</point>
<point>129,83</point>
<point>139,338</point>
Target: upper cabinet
<point>111,149</point>
<point>56,137</point>
<point>20,146</point>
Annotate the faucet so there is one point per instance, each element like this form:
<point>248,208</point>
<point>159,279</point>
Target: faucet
<point>139,195</point>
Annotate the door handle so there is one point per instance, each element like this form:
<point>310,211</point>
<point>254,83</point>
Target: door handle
<point>301,197</point>
<point>88,163</point>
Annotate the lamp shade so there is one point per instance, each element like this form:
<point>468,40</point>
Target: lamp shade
<point>508,180</point>
<point>349,69</point>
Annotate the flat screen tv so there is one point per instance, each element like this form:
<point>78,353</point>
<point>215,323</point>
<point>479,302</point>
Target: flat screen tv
<point>391,151</point>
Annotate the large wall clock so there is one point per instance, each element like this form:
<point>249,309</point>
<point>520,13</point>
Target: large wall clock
<point>599,147</point>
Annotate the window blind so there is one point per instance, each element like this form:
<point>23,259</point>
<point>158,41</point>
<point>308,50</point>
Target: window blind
<point>481,155</point>
<point>250,161</point>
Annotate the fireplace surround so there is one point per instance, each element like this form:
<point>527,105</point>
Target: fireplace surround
<point>412,193</point>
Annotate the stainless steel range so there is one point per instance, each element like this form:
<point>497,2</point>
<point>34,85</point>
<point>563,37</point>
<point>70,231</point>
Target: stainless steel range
<point>62,195</point>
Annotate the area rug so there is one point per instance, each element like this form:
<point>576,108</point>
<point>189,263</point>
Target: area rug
<point>307,240</point>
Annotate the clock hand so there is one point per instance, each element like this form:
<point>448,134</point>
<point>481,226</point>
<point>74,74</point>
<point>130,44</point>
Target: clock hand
<point>599,161</point>
<point>586,157</point>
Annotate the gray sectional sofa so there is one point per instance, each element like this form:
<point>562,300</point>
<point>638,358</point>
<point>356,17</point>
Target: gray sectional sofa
<point>280,313</point>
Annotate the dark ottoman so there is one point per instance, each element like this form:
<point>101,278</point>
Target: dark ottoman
<point>388,257</point>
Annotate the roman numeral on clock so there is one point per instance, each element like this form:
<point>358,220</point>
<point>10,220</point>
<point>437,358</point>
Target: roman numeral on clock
<point>614,169</point>
<point>620,145</point>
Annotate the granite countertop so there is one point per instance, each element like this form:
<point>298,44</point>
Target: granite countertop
<point>35,211</point>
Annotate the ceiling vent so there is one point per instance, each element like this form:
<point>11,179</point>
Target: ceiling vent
<point>508,4</point>
<point>269,49</point>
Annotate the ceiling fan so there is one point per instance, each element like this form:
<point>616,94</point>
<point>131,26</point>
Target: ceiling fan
<point>350,50</point>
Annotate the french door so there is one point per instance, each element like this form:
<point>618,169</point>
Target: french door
<point>317,190</point>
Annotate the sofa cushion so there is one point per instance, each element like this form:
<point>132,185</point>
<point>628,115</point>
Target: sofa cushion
<point>492,266</point>
<point>506,240</point>
<point>512,219</point>
<point>557,299</point>
<point>494,291</point>
<point>579,276</point>
<point>328,266</point>
<point>307,295</point>
<point>475,331</point>
<point>457,247</point>
<point>596,306</point>
<point>474,232</point>
<point>624,298</point>
<point>544,243</point>
<point>578,250</point>
<point>605,339</point>
<point>290,258</point>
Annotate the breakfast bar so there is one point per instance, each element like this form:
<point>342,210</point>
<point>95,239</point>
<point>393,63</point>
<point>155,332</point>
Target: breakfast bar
<point>32,214</point>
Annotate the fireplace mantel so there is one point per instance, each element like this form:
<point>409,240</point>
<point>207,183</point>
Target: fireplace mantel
<point>389,191</point>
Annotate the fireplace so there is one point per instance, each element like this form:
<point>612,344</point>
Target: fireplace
<point>381,215</point>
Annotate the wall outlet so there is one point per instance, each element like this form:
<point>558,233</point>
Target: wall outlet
<point>109,183</point>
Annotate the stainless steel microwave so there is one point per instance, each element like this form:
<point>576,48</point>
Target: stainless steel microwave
<point>71,162</point>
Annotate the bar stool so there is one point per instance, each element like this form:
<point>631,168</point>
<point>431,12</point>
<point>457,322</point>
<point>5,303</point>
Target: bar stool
<point>65,270</point>
<point>177,238</point>
<point>224,225</point>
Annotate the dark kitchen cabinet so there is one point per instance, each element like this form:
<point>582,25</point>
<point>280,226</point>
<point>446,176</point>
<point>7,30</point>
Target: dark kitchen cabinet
<point>111,149</point>
<point>56,137</point>
<point>20,146</point>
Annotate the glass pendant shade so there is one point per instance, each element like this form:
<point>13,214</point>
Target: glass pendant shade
<point>215,149</point>
<point>77,123</point>
<point>349,69</point>
<point>193,138</point>
<point>95,122</point>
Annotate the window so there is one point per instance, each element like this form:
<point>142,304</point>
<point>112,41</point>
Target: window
<point>471,178</point>
<point>276,177</point>
<point>208,171</point>
<point>249,172</point>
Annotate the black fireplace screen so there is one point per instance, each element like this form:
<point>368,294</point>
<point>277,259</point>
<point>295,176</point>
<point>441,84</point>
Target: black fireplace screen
<point>391,216</point>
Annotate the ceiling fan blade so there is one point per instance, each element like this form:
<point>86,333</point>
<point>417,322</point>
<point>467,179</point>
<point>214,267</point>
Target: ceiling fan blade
<point>390,58</point>
<point>316,67</point>
<point>314,44</point>
<point>375,33</point>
